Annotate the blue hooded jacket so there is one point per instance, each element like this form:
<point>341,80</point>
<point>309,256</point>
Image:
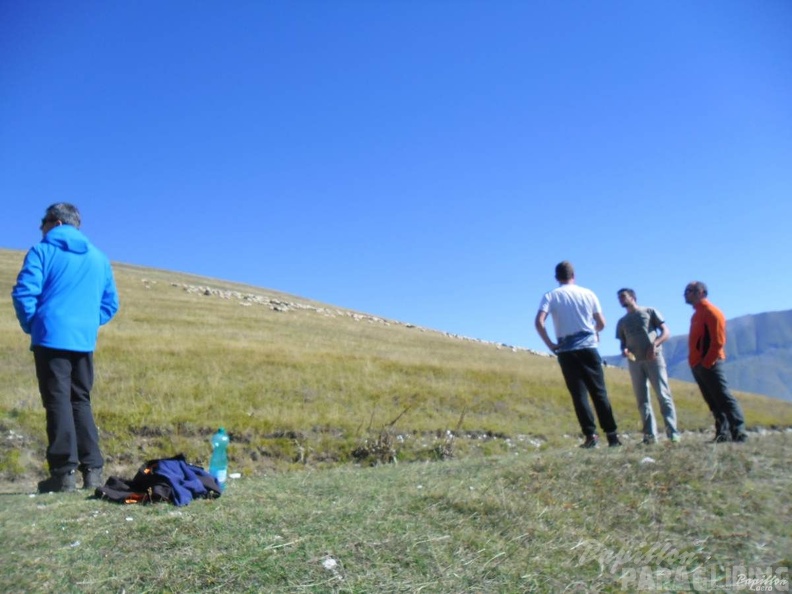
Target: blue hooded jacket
<point>65,291</point>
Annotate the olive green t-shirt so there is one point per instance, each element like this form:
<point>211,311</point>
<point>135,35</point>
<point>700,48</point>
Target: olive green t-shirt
<point>637,330</point>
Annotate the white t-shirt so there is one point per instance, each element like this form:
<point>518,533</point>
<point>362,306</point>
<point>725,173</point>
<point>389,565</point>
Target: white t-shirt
<point>572,309</point>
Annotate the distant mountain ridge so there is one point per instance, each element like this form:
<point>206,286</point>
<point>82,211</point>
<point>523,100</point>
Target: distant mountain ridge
<point>758,354</point>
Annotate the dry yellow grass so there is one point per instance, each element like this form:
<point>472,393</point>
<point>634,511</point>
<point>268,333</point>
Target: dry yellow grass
<point>297,381</point>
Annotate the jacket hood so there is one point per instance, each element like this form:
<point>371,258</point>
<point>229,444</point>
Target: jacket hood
<point>67,238</point>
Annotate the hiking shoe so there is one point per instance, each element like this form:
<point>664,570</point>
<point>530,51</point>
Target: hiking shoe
<point>613,440</point>
<point>741,438</point>
<point>648,440</point>
<point>720,439</point>
<point>58,483</point>
<point>591,442</point>
<point>92,478</point>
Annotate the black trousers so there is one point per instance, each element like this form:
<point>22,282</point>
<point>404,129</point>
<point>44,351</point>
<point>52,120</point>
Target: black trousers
<point>65,379</point>
<point>729,418</point>
<point>584,376</point>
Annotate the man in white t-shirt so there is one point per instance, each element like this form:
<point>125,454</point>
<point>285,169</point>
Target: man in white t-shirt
<point>577,320</point>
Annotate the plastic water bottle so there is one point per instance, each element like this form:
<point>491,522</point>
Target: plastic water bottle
<point>218,465</point>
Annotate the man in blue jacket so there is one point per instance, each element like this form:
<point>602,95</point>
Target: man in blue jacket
<point>63,293</point>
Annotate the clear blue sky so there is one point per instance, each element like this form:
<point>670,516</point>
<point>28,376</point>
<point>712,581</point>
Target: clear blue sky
<point>426,161</point>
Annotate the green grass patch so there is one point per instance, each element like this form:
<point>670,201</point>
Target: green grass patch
<point>550,521</point>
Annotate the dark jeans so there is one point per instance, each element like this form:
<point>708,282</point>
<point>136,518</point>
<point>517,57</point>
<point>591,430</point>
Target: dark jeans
<point>729,419</point>
<point>65,380</point>
<point>584,376</point>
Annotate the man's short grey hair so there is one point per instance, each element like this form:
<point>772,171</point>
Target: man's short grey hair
<point>699,286</point>
<point>65,213</point>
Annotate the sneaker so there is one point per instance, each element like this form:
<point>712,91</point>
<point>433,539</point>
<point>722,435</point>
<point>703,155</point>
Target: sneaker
<point>58,483</point>
<point>613,440</point>
<point>649,440</point>
<point>92,478</point>
<point>591,442</point>
<point>675,438</point>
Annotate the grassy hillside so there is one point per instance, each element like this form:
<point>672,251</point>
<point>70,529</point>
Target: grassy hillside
<point>513,507</point>
<point>301,383</point>
<point>687,518</point>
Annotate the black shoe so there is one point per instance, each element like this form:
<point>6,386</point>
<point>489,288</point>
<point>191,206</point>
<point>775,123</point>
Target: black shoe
<point>591,442</point>
<point>613,440</point>
<point>721,439</point>
<point>649,440</point>
<point>92,478</point>
<point>741,438</point>
<point>58,483</point>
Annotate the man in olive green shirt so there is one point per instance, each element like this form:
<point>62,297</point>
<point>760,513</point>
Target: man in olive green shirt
<point>641,333</point>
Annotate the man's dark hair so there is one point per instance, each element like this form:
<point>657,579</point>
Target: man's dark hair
<point>564,271</point>
<point>699,286</point>
<point>630,292</point>
<point>65,213</point>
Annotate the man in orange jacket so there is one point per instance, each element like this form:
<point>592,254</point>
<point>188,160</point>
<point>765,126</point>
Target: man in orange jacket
<point>706,343</point>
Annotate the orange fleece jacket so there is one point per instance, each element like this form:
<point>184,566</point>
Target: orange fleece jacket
<point>707,337</point>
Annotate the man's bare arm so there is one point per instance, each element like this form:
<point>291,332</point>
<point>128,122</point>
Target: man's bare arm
<point>541,317</point>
